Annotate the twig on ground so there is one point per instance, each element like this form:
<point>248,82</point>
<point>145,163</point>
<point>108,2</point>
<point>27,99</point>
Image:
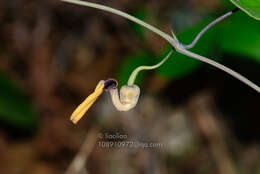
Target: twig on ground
<point>77,166</point>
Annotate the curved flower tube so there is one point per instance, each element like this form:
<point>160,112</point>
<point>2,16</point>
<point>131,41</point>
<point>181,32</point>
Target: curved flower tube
<point>128,98</point>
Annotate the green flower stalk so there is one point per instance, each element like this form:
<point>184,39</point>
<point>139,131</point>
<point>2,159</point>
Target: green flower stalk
<point>141,68</point>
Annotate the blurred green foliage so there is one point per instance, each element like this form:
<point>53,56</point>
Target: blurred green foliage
<point>251,7</point>
<point>239,34</point>
<point>141,13</point>
<point>15,108</point>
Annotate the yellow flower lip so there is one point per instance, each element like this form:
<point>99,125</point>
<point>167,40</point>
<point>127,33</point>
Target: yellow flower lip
<point>87,103</point>
<point>90,100</point>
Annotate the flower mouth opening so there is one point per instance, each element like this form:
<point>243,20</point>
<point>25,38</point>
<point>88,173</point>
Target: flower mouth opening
<point>110,84</point>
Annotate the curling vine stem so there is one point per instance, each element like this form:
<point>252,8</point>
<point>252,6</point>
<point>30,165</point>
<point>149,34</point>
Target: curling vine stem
<point>172,40</point>
<point>193,43</point>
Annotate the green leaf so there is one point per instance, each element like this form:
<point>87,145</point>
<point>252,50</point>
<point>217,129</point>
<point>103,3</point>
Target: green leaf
<point>180,65</point>
<point>15,109</point>
<point>251,7</point>
<point>240,35</point>
<point>130,63</point>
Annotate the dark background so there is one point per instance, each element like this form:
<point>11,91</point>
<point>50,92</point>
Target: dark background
<point>52,55</point>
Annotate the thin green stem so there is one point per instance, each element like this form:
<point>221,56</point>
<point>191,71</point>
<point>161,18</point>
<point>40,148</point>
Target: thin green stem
<point>140,68</point>
<point>222,67</point>
<point>207,27</point>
